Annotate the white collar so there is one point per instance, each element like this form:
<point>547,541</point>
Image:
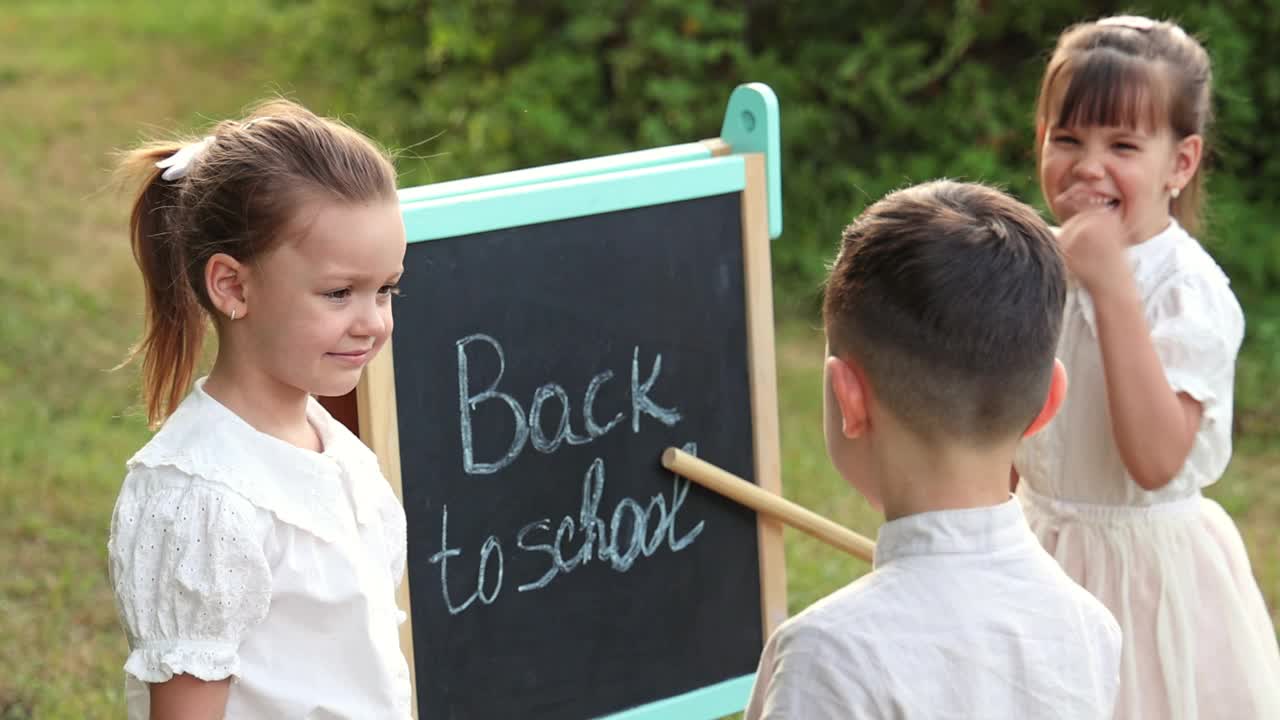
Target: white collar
<point>948,532</point>
<point>203,438</point>
<point>1148,256</point>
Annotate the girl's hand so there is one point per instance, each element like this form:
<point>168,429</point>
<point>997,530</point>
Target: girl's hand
<point>1093,240</point>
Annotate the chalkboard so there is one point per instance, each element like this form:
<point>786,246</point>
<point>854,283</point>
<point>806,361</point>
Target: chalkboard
<point>537,370</point>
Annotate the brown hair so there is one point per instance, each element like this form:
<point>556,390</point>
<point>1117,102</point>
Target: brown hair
<point>238,197</point>
<point>950,296</point>
<point>1131,71</point>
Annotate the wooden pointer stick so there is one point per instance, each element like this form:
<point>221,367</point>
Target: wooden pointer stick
<point>763,501</point>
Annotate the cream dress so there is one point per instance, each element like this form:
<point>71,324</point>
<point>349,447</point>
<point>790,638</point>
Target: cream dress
<point>1170,564</point>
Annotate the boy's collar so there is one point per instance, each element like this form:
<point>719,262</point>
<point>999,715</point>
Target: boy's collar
<point>953,532</point>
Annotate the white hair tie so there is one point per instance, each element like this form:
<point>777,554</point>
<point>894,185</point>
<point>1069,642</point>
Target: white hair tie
<point>176,165</point>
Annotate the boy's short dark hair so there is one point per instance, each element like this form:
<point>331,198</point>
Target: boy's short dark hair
<point>950,297</point>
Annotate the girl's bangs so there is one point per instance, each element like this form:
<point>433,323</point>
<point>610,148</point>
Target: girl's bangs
<point>1106,88</point>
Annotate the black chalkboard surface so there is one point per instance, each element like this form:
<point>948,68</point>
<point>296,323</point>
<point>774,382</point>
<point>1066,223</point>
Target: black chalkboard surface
<point>556,569</point>
<point>558,328</point>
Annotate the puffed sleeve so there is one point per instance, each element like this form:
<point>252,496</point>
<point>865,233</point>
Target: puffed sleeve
<point>189,574</point>
<point>1196,328</point>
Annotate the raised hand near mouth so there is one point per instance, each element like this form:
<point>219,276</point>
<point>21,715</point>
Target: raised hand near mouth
<point>1093,238</point>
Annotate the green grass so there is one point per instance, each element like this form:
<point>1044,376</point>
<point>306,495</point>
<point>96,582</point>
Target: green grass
<point>79,79</point>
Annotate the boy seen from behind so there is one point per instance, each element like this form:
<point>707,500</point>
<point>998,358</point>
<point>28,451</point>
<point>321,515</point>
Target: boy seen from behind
<point>942,314</point>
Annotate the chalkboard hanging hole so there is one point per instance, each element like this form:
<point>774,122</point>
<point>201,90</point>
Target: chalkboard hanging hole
<point>748,121</point>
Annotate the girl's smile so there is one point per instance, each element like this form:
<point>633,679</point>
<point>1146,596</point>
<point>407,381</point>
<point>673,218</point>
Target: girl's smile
<point>357,358</point>
<point>1118,169</point>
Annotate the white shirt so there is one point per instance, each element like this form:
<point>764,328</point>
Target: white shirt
<point>1196,327</point>
<point>233,553</point>
<point>963,616</point>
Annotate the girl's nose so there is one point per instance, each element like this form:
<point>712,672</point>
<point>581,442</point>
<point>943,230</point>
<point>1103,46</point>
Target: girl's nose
<point>1089,167</point>
<point>372,320</point>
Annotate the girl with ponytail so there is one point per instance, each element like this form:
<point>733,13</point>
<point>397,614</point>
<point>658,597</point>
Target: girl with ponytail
<point>255,547</point>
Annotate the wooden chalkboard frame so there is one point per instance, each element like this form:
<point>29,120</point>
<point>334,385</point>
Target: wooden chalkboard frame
<point>621,182</point>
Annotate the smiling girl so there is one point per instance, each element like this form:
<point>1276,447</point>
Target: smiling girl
<point>1112,487</point>
<point>255,547</point>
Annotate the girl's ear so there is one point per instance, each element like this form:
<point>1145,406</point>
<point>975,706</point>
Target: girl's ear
<point>1052,402</point>
<point>1186,160</point>
<point>224,279</point>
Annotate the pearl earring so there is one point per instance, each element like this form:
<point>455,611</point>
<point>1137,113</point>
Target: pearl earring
<point>1175,193</point>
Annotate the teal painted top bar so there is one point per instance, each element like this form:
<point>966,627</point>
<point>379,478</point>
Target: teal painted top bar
<point>751,125</point>
<point>477,212</point>
<point>559,171</point>
<point>713,701</point>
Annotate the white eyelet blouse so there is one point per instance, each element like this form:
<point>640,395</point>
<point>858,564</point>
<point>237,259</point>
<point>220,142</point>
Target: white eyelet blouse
<point>233,553</point>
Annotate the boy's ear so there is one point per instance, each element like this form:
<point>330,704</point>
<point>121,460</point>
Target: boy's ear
<point>1057,393</point>
<point>849,388</point>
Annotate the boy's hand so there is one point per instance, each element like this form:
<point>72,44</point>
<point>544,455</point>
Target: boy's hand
<point>1093,240</point>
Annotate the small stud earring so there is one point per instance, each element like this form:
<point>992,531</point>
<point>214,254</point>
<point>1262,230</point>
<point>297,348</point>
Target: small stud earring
<point>1175,193</point>
<point>233,313</point>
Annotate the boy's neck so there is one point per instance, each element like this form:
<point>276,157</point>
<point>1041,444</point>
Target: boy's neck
<point>916,477</point>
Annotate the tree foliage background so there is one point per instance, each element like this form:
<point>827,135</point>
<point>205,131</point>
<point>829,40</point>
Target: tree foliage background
<point>873,96</point>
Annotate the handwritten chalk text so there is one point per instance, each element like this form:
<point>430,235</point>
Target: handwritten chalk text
<point>528,427</point>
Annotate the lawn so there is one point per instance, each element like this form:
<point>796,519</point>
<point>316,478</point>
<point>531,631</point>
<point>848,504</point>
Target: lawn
<point>80,79</point>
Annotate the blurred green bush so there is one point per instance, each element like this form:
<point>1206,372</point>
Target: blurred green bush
<point>873,95</point>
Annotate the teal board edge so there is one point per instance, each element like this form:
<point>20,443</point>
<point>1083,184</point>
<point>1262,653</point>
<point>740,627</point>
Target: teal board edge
<point>559,171</point>
<point>712,701</point>
<point>751,125</point>
<point>507,207</point>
